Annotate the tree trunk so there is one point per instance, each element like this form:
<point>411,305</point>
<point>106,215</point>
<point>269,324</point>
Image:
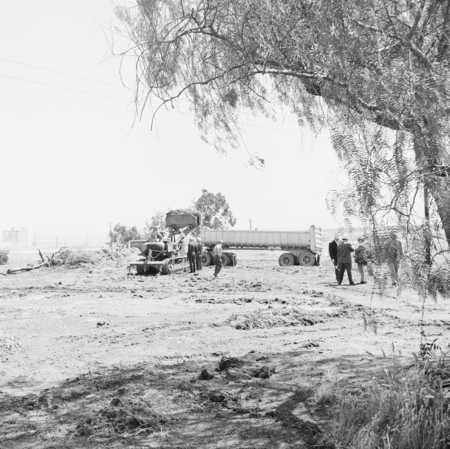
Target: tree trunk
<point>436,181</point>
<point>440,191</point>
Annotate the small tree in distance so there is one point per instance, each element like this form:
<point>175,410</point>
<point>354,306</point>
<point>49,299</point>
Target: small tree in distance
<point>215,210</point>
<point>122,234</point>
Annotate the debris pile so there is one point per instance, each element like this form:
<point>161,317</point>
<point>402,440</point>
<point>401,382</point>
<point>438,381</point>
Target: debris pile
<point>128,415</point>
<point>275,318</point>
<point>73,258</point>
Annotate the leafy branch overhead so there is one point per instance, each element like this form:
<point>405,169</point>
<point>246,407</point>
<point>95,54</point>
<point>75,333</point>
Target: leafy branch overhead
<point>333,63</point>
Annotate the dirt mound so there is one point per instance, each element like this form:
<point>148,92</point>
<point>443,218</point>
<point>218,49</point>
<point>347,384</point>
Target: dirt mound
<point>264,372</point>
<point>275,318</point>
<point>229,362</point>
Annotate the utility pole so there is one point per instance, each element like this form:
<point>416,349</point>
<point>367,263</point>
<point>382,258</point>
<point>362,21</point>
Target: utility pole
<point>250,221</point>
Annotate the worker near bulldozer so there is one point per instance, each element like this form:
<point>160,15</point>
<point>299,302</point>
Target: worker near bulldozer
<point>199,253</point>
<point>192,255</point>
<point>155,235</point>
<point>217,255</point>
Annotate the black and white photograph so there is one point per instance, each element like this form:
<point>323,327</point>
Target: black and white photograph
<point>225,224</point>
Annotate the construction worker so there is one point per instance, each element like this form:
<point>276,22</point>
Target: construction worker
<point>345,260</point>
<point>199,253</point>
<point>155,235</point>
<point>217,255</point>
<point>332,249</point>
<point>361,259</point>
<point>192,255</point>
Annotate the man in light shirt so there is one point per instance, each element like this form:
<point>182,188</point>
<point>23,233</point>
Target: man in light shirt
<point>217,255</point>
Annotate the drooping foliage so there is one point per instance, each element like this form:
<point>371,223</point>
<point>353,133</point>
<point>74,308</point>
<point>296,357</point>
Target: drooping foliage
<point>348,62</point>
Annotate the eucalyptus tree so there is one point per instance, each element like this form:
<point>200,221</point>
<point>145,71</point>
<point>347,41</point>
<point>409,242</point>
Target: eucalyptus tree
<point>337,63</point>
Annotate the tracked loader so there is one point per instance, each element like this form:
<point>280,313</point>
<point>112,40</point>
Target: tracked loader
<point>170,254</point>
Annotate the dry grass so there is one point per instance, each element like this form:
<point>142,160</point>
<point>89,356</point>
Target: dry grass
<point>403,410</point>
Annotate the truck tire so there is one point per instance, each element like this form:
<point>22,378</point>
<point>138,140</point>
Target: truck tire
<point>206,259</point>
<point>226,260</point>
<point>307,259</point>
<point>286,260</point>
<point>3,260</point>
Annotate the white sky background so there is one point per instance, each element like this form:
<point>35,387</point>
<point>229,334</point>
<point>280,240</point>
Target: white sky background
<point>72,162</point>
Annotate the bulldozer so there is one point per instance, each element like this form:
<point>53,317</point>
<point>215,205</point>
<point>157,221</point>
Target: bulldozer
<point>170,254</point>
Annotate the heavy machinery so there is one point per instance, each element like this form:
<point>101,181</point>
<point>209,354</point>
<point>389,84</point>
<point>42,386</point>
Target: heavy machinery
<point>170,254</point>
<point>301,247</point>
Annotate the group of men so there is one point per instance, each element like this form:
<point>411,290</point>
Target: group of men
<point>195,250</point>
<point>194,253</point>
<point>340,250</point>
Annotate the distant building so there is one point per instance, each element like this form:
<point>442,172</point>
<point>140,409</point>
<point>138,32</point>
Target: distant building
<point>20,237</point>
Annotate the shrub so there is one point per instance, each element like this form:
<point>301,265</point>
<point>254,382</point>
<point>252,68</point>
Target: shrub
<point>403,410</point>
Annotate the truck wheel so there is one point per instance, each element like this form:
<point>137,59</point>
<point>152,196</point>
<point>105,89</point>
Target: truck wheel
<point>307,259</point>
<point>206,259</point>
<point>286,260</point>
<point>226,260</point>
<point>3,260</point>
<point>140,270</point>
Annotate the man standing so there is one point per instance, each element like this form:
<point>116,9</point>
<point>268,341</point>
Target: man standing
<point>332,249</point>
<point>344,251</point>
<point>394,254</point>
<point>199,253</point>
<point>217,255</point>
<point>192,255</point>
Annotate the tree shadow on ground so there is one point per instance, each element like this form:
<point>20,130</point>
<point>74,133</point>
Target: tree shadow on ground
<point>171,406</point>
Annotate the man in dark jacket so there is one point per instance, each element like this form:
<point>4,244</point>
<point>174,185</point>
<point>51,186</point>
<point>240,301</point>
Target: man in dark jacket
<point>199,253</point>
<point>332,249</point>
<point>192,255</point>
<point>344,251</point>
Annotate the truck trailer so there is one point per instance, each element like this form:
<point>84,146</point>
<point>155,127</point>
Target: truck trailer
<point>301,247</point>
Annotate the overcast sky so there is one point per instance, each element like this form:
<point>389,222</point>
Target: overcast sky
<point>71,159</point>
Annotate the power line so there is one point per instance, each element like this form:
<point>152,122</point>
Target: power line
<point>127,101</point>
<point>61,73</point>
<point>116,85</point>
<point>63,88</point>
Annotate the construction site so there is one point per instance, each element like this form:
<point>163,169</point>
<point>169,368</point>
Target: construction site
<point>113,350</point>
<point>225,224</point>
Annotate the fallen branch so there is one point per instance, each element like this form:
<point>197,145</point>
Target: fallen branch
<point>34,267</point>
<point>42,257</point>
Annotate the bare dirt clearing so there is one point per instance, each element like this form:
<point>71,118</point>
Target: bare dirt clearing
<point>92,357</point>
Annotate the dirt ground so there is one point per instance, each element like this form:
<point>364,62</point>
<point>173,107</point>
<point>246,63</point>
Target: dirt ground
<point>93,357</point>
